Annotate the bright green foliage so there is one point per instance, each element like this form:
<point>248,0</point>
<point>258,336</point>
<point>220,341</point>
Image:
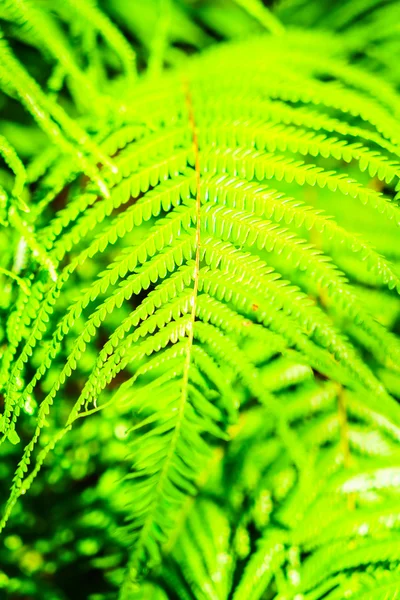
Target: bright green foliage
<point>200,313</point>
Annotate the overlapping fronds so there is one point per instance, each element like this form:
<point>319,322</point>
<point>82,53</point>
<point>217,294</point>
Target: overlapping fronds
<point>214,256</point>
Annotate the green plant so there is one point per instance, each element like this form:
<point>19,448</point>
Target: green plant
<point>200,309</point>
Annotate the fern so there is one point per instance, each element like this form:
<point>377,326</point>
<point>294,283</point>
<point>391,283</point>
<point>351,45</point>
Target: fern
<point>200,301</point>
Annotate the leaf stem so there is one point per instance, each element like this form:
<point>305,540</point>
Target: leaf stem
<point>261,14</point>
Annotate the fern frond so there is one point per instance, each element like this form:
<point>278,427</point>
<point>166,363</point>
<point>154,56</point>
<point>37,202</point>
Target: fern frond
<point>261,567</point>
<point>200,270</point>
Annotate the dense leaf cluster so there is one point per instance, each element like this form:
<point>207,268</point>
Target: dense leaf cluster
<point>199,318</point>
